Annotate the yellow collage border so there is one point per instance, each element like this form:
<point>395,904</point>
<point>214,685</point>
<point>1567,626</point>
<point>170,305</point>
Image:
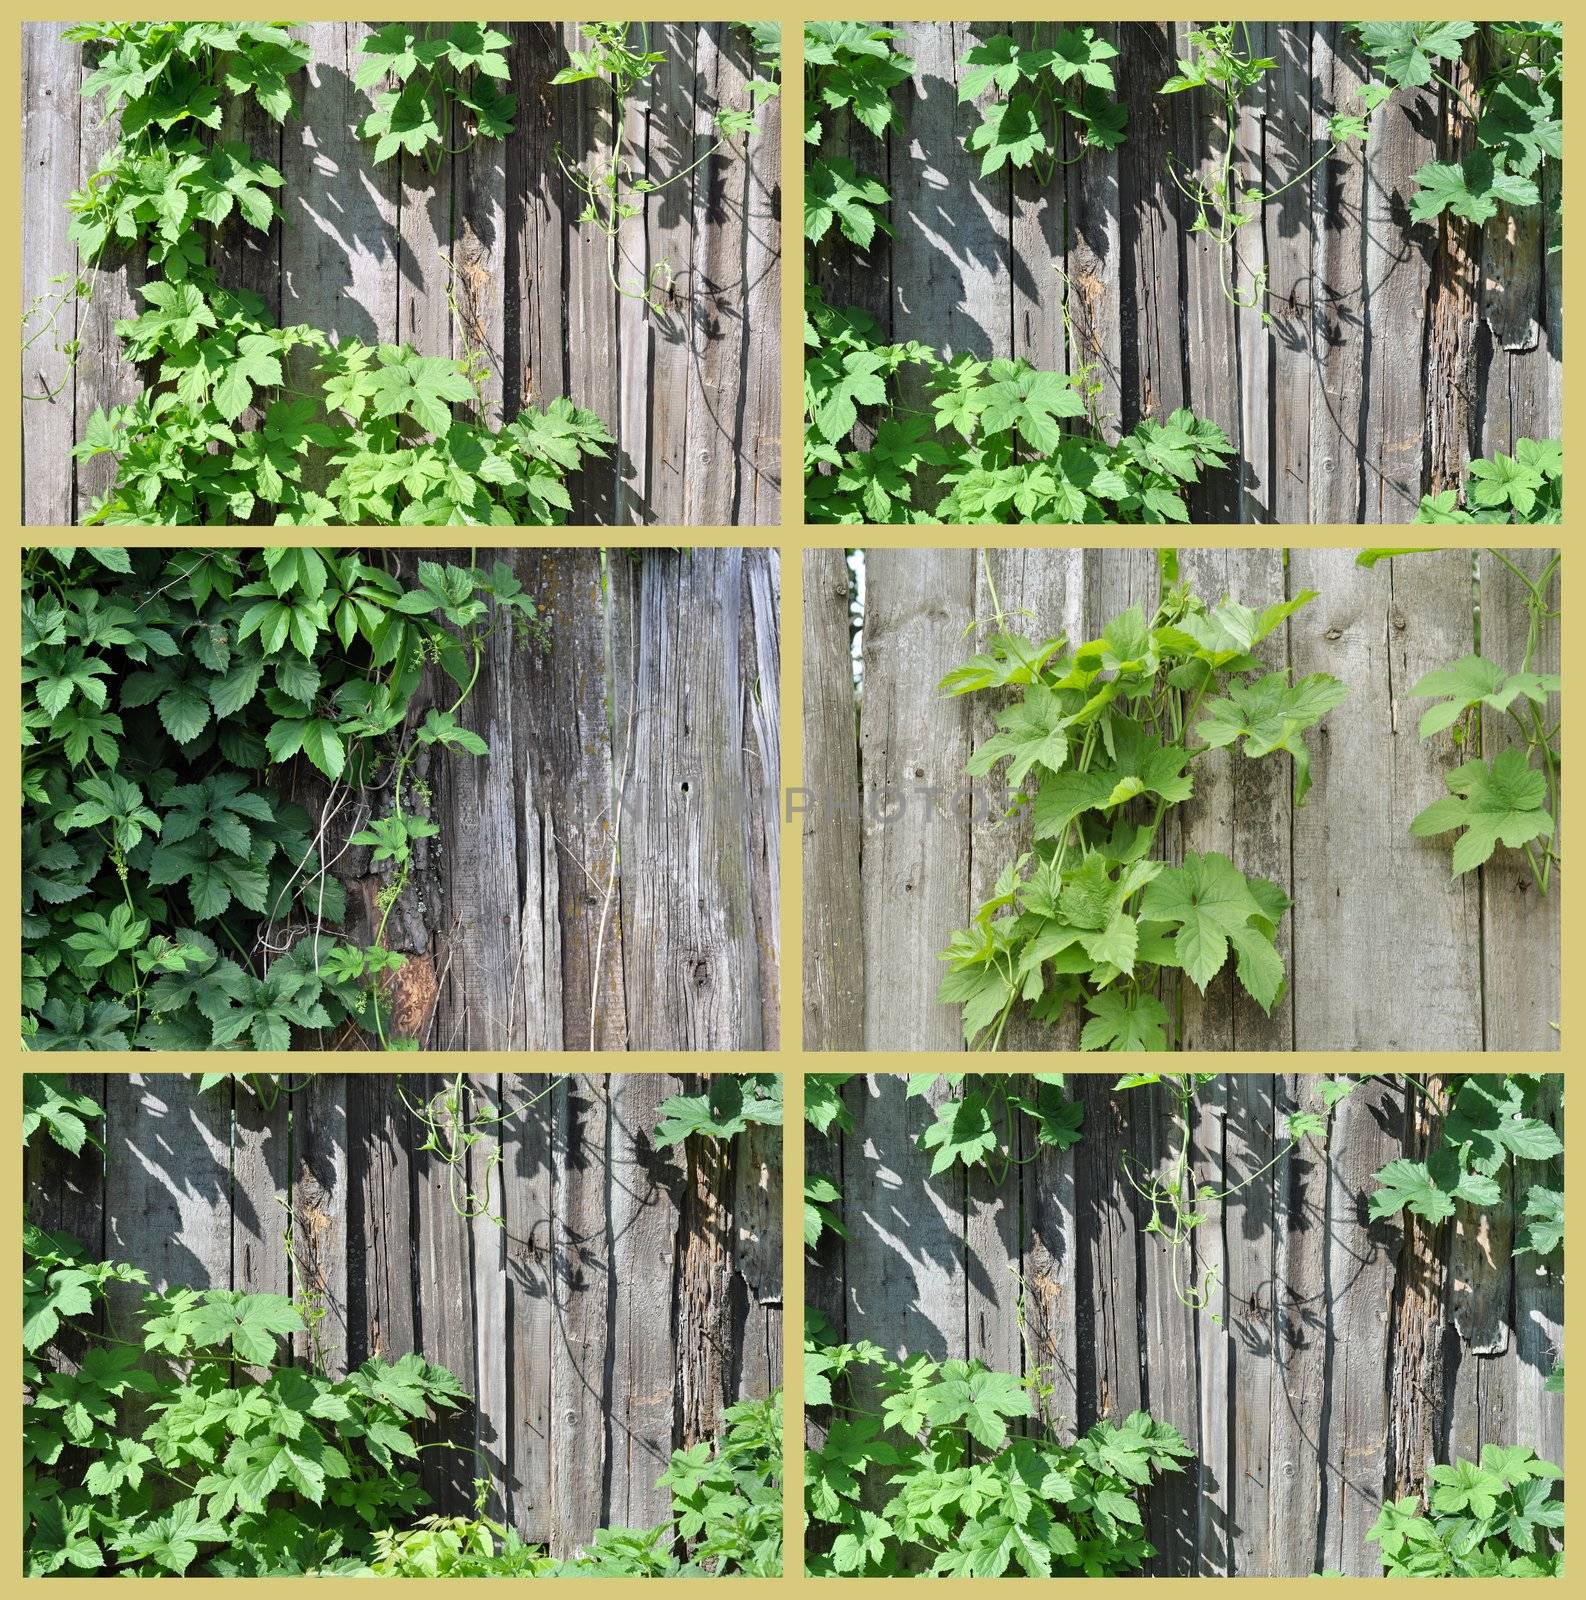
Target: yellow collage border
<point>789,539</point>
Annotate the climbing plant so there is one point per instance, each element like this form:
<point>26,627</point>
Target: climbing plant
<point>244,421</point>
<point>173,895</point>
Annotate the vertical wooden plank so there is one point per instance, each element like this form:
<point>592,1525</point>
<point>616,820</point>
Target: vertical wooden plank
<point>1108,1332</point>
<point>323,1137</point>
<point>562,716</point>
<point>703,1195</point>
<point>537,198</point>
<point>834,971</point>
<point>760,656</point>
<point>913,745</point>
<point>905,1256</point>
<point>339,244</point>
<point>168,1181</point>
<point>581,1444</point>
<point>443,1298</point>
<point>642,1222</point>
<point>260,1168</point>
<point>754,1335</point>
<point>1336,330</point>
<point>1356,984</point>
<point>686,896</point>
<point>490,890</point>
<point>478,255</point>
<point>104,378</point>
<point>635,333</point>
<point>1538,1417</point>
<point>1397,258</point>
<point>380,1295</point>
<point>1236,1535</point>
<point>758,439</point>
<point>1243,809</point>
<point>489,1328</point>
<point>952,264</point>
<point>993,1267</point>
<point>710,290</point>
<point>52,115</point>
<point>1152,324</point>
<point>1094,264</point>
<point>1051,1288</point>
<point>1302,1353</point>
<point>588,312</point>
<point>1207,319</point>
<point>1520,929</point>
<point>1036,227</point>
<point>527,1181</point>
<point>826,1266</point>
<point>1354,1421</point>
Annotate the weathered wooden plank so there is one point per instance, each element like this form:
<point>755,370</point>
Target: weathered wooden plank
<point>562,719</point>
<point>488,1327</point>
<point>642,1220</point>
<point>1353,1426</point>
<point>1035,228</point>
<point>259,1187</point>
<point>754,1345</point>
<point>444,1287</point>
<point>1094,265</point>
<point>710,290</point>
<point>168,1181</point>
<point>913,745</point>
<point>1537,1416</point>
<point>476,252</point>
<point>588,311</point>
<point>1335,313</point>
<point>51,119</point>
<point>1397,268</point>
<point>1153,222</point>
<point>104,378</point>
<point>760,659</point>
<point>905,1256</point>
<point>581,1444</point>
<point>1302,1352</point>
<point>1279,362</point>
<point>758,425</point>
<point>320,1194</point>
<point>1355,983</point>
<point>686,894</point>
<point>381,1313</point>
<point>1520,927</point>
<point>340,240</point>
<point>825,1267</point>
<point>528,1176</point>
<point>834,970</point>
<point>1051,1284</point>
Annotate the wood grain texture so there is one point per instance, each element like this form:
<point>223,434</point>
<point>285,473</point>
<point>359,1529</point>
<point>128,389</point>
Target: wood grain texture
<point>1295,1385</point>
<point>1313,392</point>
<point>628,1294</point>
<point>1384,948</point>
<point>384,252</point>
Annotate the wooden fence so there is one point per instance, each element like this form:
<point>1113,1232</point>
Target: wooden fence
<point>631,1293</point>
<point>1395,350</point>
<point>1384,949</point>
<point>372,252</point>
<point>607,877</point>
<point>1351,1355</point>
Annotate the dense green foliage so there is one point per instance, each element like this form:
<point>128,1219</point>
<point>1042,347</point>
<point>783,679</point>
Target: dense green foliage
<point>1500,1518</point>
<point>728,1104</point>
<point>437,68</point>
<point>1089,918</point>
<point>897,432</point>
<point>172,1434</point>
<point>172,896</point>
<point>960,1494</point>
<point>244,421</point>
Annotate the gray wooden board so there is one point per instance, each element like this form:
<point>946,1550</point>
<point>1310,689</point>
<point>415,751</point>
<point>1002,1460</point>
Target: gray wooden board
<point>1312,393</point>
<point>1384,948</point>
<point>1278,1382</point>
<point>567,1323</point>
<point>381,251</point>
